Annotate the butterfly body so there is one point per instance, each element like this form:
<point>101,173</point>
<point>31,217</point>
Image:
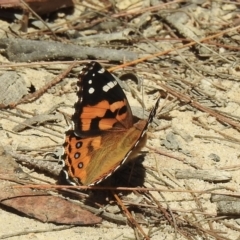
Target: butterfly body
<point>105,134</point>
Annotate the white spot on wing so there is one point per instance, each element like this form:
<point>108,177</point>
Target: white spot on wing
<point>90,81</point>
<point>106,88</point>
<point>109,86</point>
<point>102,70</point>
<point>91,90</point>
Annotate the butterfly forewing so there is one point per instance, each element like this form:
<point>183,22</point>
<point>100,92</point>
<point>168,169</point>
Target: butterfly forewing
<point>101,104</point>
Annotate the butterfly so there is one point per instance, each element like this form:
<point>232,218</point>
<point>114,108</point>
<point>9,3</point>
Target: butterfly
<point>105,134</point>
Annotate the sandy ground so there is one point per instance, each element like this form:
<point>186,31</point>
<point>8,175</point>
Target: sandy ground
<point>192,135</point>
<point>199,151</point>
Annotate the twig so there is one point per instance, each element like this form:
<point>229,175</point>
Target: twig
<point>23,50</point>
<point>189,100</point>
<point>37,94</point>
<point>38,17</point>
<point>130,217</point>
<point>4,236</point>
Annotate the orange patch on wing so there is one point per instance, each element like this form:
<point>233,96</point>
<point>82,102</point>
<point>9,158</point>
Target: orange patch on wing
<point>97,110</point>
<point>92,144</point>
<point>86,123</point>
<point>91,112</point>
<point>106,123</point>
<point>117,105</point>
<point>80,173</point>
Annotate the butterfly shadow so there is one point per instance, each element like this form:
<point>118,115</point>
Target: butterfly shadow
<point>131,174</point>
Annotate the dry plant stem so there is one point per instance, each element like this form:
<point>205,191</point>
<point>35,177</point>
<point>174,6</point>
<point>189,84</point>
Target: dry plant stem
<point>38,17</point>
<point>37,94</point>
<point>231,226</point>
<point>103,214</point>
<point>83,25</point>
<point>16,114</point>
<point>205,231</point>
<point>129,216</point>
<point>36,128</point>
<point>191,211</point>
<point>50,167</point>
<point>173,49</point>
<point>181,28</point>
<point>172,156</point>
<point>49,186</point>
<point>158,179</point>
<point>91,24</point>
<point>171,221</point>
<point>38,119</point>
<point>13,179</point>
<point>187,99</point>
<point>233,116</point>
<point>211,175</point>
<point>226,136</point>
<point>199,206</point>
<point>63,29</point>
<point>118,188</point>
<point>105,37</point>
<point>43,63</point>
<point>153,8</point>
<point>232,167</point>
<point>170,177</point>
<point>34,232</point>
<point>216,138</point>
<point>23,50</point>
<point>164,210</point>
